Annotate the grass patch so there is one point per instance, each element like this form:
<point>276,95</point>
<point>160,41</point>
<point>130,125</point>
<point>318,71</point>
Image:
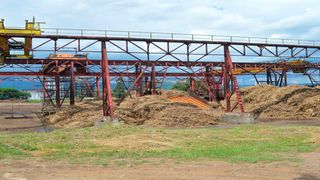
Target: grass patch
<point>122,144</point>
<point>10,152</point>
<point>34,101</point>
<point>28,147</point>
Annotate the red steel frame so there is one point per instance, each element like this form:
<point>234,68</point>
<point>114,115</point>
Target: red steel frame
<point>146,72</point>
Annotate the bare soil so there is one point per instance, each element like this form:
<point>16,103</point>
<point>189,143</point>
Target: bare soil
<point>308,168</point>
<point>20,116</point>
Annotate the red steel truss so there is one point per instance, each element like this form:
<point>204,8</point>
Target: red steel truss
<point>147,61</point>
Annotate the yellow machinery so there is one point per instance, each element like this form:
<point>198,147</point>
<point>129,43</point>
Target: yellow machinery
<point>239,71</point>
<point>299,65</point>
<point>7,44</point>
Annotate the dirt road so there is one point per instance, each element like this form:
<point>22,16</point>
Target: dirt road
<point>308,168</point>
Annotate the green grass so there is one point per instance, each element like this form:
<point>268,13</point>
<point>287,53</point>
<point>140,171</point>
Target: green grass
<point>34,101</point>
<point>122,144</point>
<point>10,152</point>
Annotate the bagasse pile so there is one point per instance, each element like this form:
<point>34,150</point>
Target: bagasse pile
<point>264,101</point>
<point>291,102</point>
<point>152,110</point>
<point>158,111</point>
<point>83,114</point>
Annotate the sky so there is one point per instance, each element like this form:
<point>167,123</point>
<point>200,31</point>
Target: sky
<point>297,19</point>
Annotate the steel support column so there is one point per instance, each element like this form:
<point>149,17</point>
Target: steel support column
<point>211,84</point>
<point>226,81</point>
<point>97,87</point>
<point>226,85</point>
<point>139,91</point>
<point>72,80</point>
<point>57,84</point>
<point>146,84</point>
<point>269,76</point>
<point>285,75</point>
<point>44,88</point>
<point>153,79</point>
<point>107,95</point>
<point>192,85</point>
<point>230,82</point>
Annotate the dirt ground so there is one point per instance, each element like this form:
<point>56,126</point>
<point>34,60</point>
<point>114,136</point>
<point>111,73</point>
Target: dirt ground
<point>308,168</point>
<point>15,117</point>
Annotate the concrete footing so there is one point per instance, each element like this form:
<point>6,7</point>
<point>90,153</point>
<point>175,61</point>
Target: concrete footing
<point>106,120</point>
<point>238,118</point>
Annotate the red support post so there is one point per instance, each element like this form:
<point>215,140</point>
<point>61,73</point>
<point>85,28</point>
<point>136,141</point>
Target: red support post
<point>218,87</point>
<point>192,85</point>
<point>226,85</point>
<point>285,74</point>
<point>146,83</point>
<point>57,84</point>
<point>72,80</point>
<point>97,87</point>
<point>153,79</point>
<point>106,84</point>
<point>209,78</point>
<point>269,76</point>
<point>139,82</point>
<point>44,88</point>
<point>230,82</point>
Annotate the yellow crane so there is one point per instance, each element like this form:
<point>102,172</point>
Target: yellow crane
<point>7,44</point>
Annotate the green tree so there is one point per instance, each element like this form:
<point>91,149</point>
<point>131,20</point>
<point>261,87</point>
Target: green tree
<point>11,93</point>
<point>182,86</point>
<point>185,86</point>
<point>119,90</point>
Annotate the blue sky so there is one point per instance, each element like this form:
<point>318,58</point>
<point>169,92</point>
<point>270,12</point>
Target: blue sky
<point>266,18</point>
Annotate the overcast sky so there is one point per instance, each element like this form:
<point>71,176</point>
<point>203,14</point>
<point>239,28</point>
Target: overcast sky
<point>297,19</point>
